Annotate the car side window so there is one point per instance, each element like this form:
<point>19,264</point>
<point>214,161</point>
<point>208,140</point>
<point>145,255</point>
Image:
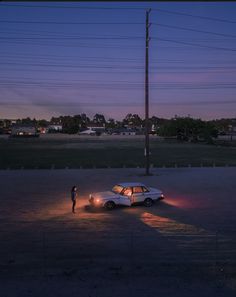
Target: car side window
<point>145,189</point>
<point>137,190</point>
<point>127,191</point>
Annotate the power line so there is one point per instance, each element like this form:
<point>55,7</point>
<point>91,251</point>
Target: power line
<point>69,23</point>
<point>71,38</point>
<point>65,65</point>
<point>74,7</point>
<point>120,8</point>
<point>56,57</point>
<point>113,82</point>
<point>197,71</point>
<point>91,46</point>
<point>51,36</point>
<point>106,58</point>
<point>71,60</point>
<point>128,63</point>
<point>111,66</point>
<point>111,46</point>
<point>195,44</point>
<point>194,30</point>
<point>97,85</point>
<point>62,36</point>
<point>194,16</point>
<point>67,36</point>
<point>74,71</point>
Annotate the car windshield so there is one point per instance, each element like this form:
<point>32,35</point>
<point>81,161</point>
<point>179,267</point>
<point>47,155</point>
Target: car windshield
<point>117,189</point>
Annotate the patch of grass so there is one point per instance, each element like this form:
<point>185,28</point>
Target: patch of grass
<point>37,153</point>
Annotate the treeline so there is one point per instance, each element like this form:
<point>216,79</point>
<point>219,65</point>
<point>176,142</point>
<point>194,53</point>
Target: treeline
<point>184,128</point>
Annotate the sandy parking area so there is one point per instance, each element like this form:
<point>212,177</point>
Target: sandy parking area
<point>182,246</point>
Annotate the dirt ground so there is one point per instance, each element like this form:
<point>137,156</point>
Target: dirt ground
<point>183,246</point>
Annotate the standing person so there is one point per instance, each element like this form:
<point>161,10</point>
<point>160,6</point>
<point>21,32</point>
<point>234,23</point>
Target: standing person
<point>73,197</point>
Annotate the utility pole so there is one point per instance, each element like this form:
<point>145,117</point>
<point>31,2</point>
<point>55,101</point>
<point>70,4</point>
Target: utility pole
<point>147,94</point>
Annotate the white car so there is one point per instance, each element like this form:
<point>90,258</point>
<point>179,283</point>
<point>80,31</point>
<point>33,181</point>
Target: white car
<point>126,194</point>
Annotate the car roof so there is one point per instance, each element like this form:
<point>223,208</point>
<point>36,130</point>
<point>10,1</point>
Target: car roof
<point>131,184</point>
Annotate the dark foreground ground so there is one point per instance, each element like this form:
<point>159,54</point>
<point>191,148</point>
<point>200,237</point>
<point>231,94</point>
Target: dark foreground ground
<point>184,245</point>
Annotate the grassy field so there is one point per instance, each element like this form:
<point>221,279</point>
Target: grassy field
<point>62,151</point>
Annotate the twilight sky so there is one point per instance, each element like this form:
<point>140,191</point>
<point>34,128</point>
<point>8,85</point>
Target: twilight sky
<point>69,58</point>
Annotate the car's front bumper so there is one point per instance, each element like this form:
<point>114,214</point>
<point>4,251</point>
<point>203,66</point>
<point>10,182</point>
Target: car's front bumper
<point>95,202</point>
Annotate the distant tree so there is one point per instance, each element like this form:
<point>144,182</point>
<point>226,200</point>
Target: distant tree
<point>99,119</point>
<point>111,124</point>
<point>168,129</point>
<point>119,124</point>
<point>56,120</point>
<point>156,123</point>
<point>209,132</point>
<point>42,123</point>
<point>27,121</point>
<point>18,121</point>
<point>132,120</point>
<point>69,125</point>
<point>188,129</point>
<point>77,120</point>
<point>222,125</point>
<point>84,120</point>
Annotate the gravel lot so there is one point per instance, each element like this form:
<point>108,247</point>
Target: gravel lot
<point>184,245</point>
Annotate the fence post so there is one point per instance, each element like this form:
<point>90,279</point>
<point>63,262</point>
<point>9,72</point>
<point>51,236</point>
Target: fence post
<point>216,252</point>
<point>132,249</point>
<point>44,254</point>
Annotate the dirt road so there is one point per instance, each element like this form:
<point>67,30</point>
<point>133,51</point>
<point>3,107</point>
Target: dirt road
<point>184,245</point>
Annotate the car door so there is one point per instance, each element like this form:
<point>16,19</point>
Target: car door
<point>146,193</point>
<point>125,196</point>
<point>138,195</point>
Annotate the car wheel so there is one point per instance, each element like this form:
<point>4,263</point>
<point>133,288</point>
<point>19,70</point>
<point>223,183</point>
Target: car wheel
<point>109,205</point>
<point>148,202</point>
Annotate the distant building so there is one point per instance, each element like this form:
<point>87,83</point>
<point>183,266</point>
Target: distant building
<point>231,129</point>
<point>24,130</point>
<point>54,128</point>
<point>94,129</point>
<point>124,131</point>
<point>87,132</point>
<point>5,125</point>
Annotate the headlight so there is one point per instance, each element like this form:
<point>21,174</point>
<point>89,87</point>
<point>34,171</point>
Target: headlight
<point>97,200</point>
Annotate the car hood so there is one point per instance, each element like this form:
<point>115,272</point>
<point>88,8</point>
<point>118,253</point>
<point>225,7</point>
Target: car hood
<point>104,195</point>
